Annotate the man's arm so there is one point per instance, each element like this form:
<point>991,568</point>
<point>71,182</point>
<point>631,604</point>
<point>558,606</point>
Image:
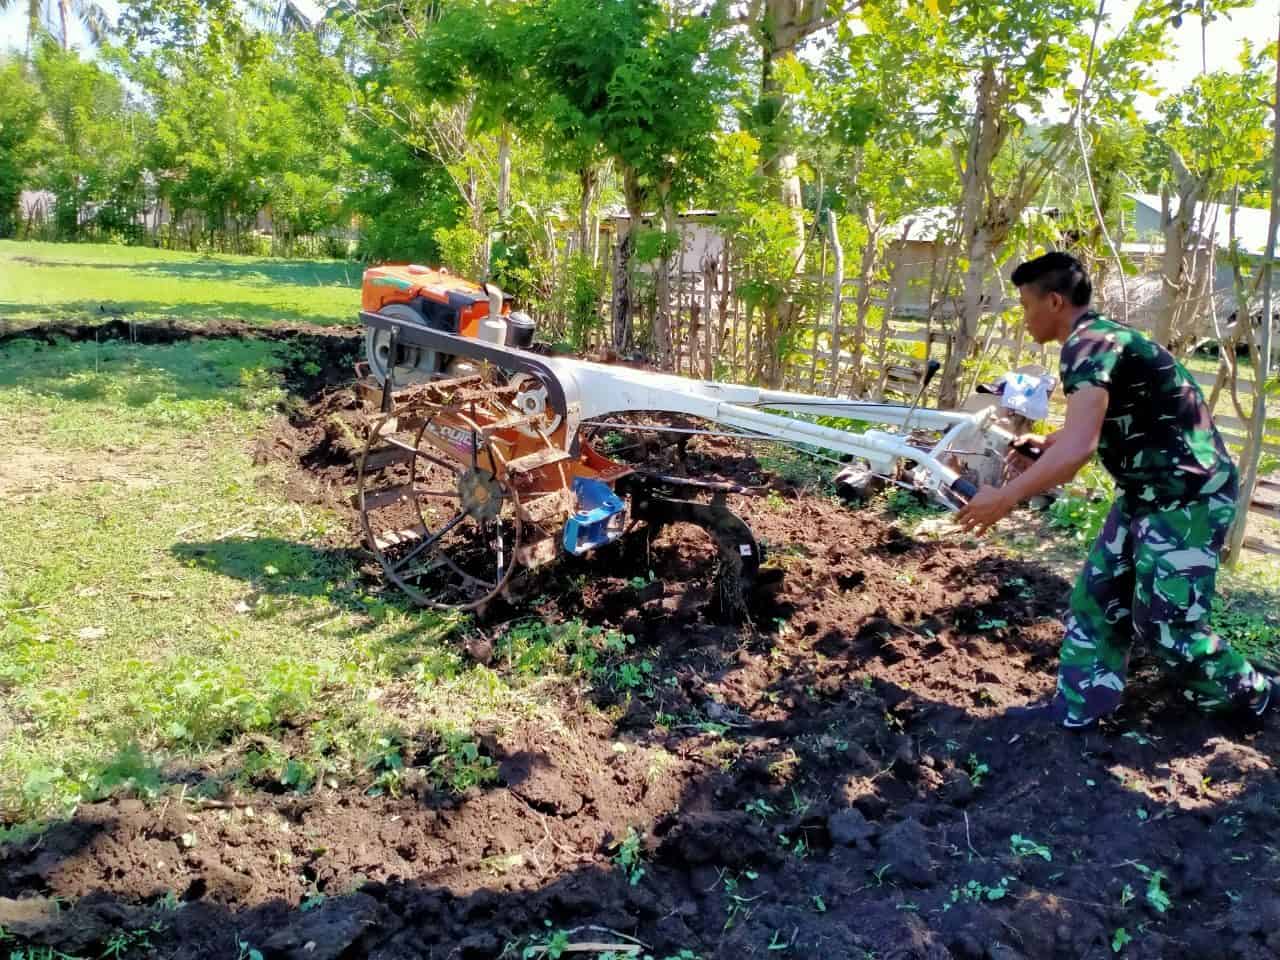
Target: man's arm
<point>1071,449</point>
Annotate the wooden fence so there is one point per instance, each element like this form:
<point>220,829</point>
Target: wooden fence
<point>713,340</point>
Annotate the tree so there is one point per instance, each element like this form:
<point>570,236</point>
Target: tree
<point>91,15</point>
<point>90,161</point>
<point>1214,135</point>
<point>885,159</point>
<point>632,81</point>
<point>1251,456</point>
<point>780,28</point>
<point>983,69</point>
<point>663,110</point>
<point>21,110</point>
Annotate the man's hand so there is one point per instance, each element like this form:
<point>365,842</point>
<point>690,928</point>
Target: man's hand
<point>1028,448</point>
<point>988,506</point>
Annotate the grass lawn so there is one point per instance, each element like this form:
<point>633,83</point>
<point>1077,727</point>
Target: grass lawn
<point>163,607</point>
<point>41,282</point>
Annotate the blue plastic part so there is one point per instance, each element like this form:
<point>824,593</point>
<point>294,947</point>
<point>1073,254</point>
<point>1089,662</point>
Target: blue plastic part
<point>591,526</point>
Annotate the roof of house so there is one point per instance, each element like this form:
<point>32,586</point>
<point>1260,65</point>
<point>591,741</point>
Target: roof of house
<point>620,213</point>
<point>1215,221</point>
<point>929,223</point>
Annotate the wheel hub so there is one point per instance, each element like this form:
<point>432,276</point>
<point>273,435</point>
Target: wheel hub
<point>480,494</point>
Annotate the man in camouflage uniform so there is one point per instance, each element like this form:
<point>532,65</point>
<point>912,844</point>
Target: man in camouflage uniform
<point>1151,572</point>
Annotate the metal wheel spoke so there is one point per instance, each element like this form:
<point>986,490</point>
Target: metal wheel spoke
<point>437,494</point>
<point>438,461</point>
<point>430,541</point>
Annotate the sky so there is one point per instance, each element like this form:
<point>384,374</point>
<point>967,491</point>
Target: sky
<point>1257,22</point>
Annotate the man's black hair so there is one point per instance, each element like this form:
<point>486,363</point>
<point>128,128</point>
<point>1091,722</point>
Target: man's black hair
<point>1056,273</point>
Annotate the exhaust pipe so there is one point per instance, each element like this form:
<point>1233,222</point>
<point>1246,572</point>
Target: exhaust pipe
<point>494,329</point>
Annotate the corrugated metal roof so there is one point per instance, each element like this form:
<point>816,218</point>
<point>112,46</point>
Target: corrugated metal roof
<point>1251,223</point>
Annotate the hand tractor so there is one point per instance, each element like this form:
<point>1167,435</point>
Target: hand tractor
<point>479,461</point>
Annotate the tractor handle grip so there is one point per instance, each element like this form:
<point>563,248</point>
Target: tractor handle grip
<point>930,371</point>
<point>1027,449</point>
<point>964,489</point>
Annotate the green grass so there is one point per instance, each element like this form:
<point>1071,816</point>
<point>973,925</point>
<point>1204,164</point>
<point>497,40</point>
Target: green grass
<point>166,614</point>
<point>42,282</point>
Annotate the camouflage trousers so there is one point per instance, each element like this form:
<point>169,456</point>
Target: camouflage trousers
<point>1150,576</point>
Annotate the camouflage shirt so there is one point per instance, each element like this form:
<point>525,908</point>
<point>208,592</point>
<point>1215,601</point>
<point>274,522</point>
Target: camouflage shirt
<point>1158,439</point>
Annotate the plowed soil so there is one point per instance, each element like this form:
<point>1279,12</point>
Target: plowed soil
<point>835,779</point>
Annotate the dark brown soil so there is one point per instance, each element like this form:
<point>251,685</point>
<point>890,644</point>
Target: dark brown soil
<point>837,779</point>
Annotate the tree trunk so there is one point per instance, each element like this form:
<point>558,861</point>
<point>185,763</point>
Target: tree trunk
<point>780,165</point>
<point>623,289</point>
<point>1177,278</point>
<point>709,270</point>
<point>837,299</point>
<point>504,173</point>
<point>662,341</point>
<point>722,311</point>
<point>587,178</point>
<point>979,222</point>
<point>866,276</point>
<point>64,17</point>
<point>890,305</point>
<point>1252,453</point>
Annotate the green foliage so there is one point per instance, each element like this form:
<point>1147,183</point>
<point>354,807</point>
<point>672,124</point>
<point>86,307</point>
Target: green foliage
<point>978,770</point>
<point>20,113</point>
<point>1156,895</point>
<point>93,151</point>
<point>1119,939</point>
<point>630,856</point>
<point>975,891</point>
<point>553,945</point>
<point>1246,618</point>
<point>1218,125</point>
<point>1026,847</point>
<point>1082,509</point>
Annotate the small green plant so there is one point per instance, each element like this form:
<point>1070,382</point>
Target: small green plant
<point>123,941</point>
<point>1126,895</point>
<point>553,945</point>
<point>461,765</point>
<point>907,507</point>
<point>1156,894</point>
<point>975,892</point>
<point>41,953</point>
<point>630,856</point>
<point>1026,847</point>
<point>800,806</point>
<point>761,808</point>
<point>1082,510</point>
<point>631,676</point>
<point>130,771</point>
<point>246,952</point>
<point>818,903</point>
<point>798,848</point>
<point>775,501</point>
<point>978,770</point>
<point>1119,939</point>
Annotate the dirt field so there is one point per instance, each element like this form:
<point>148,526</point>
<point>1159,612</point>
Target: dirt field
<point>834,779</point>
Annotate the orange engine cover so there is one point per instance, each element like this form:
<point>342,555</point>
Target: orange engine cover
<point>446,302</point>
